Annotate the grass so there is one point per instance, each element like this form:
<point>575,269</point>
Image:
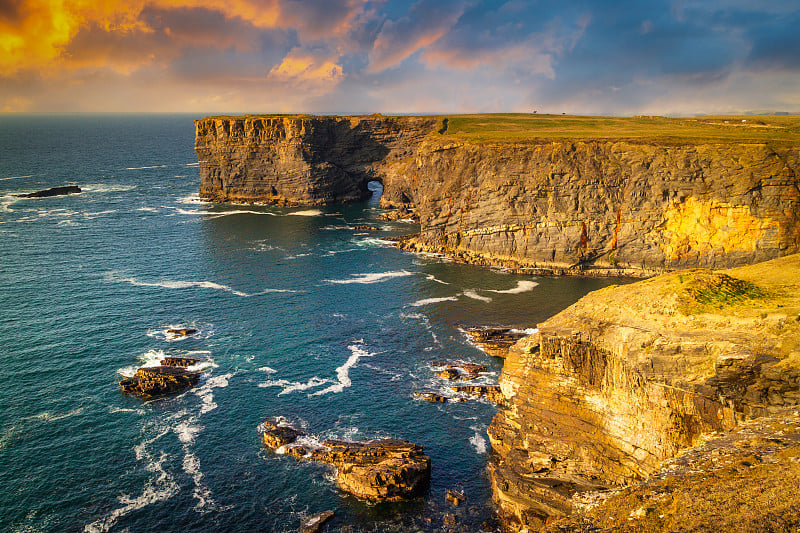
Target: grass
<point>528,127</point>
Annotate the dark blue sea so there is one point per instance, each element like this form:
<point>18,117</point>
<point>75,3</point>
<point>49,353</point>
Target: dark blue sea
<point>299,316</point>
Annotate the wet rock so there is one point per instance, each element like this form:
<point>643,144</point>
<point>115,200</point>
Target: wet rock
<point>276,435</point>
<point>454,497</point>
<point>55,191</point>
<point>430,397</point>
<point>179,361</point>
<point>494,341</point>
<point>362,227</point>
<point>378,470</point>
<point>458,371</point>
<point>185,332</point>
<point>158,380</point>
<point>449,519</point>
<point>490,392</point>
<point>315,523</point>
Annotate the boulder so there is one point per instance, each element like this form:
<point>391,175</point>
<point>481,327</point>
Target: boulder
<point>430,397</point>
<point>55,191</point>
<point>315,523</point>
<point>276,435</point>
<point>449,373</point>
<point>179,361</point>
<point>158,380</point>
<point>454,497</point>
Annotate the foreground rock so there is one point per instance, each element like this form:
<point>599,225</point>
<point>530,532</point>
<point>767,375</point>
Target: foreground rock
<point>55,191</point>
<point>159,380</point>
<point>380,470</point>
<point>494,341</point>
<point>738,482</point>
<point>629,376</point>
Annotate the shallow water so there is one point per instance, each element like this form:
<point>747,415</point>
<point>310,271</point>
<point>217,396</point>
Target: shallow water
<point>298,316</point>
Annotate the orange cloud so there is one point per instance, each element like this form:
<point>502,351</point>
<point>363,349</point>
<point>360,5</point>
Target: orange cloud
<point>305,70</point>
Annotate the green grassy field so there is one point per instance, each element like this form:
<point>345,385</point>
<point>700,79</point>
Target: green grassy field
<point>521,127</point>
<point>528,127</point>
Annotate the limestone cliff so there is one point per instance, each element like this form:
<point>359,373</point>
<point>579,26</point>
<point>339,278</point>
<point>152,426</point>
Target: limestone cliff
<point>573,205</point>
<point>628,376</point>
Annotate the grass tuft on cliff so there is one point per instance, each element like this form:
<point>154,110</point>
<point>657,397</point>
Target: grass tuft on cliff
<point>705,292</point>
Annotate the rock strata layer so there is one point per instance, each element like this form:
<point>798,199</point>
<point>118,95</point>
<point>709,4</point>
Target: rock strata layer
<point>627,377</point>
<point>379,470</point>
<point>532,205</point>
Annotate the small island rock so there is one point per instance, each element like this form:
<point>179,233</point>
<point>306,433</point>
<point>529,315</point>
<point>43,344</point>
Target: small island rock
<point>54,191</point>
<point>158,380</point>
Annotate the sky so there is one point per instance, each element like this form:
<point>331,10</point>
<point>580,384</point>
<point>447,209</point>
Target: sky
<point>393,56</point>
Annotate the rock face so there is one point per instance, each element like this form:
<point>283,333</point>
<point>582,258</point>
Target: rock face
<point>179,361</point>
<point>55,191</point>
<point>629,376</point>
<point>599,206</point>
<point>301,160</point>
<point>158,380</point>
<point>380,470</point>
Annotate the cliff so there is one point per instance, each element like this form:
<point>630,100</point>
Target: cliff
<point>573,195</point>
<point>628,376</point>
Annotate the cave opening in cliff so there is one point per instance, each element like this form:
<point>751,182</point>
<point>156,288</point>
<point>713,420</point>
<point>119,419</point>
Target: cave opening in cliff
<point>376,188</point>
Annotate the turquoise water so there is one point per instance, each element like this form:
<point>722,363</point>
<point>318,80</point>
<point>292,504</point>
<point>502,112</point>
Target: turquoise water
<point>298,316</point>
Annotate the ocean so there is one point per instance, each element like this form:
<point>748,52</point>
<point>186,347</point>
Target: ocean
<point>298,315</point>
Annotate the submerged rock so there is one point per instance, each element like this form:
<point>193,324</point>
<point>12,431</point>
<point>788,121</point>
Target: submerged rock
<point>54,191</point>
<point>457,371</point>
<point>184,332</point>
<point>315,523</point>
<point>158,380</point>
<point>378,470</point>
<point>430,397</point>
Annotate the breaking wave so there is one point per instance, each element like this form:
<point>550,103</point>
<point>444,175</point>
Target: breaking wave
<point>179,284</point>
<point>373,277</point>
<point>522,286</point>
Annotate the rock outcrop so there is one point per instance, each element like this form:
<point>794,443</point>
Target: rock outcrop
<point>54,191</point>
<point>584,205</point>
<point>627,377</point>
<point>379,470</point>
<point>159,380</point>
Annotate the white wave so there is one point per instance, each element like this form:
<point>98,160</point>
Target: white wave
<point>239,212</point>
<point>148,209</point>
<point>371,241</point>
<point>17,177</point>
<point>477,440</point>
<point>431,277</point>
<point>526,331</point>
<point>292,386</point>
<point>50,417</point>
<point>522,286</point>
<point>186,431</point>
<point>267,369</point>
<point>178,284</point>
<point>148,359</point>
<point>192,165</point>
<point>427,301</point>
<point>373,277</point>
<point>192,199</point>
<point>306,213</point>
<point>475,296</point>
<point>343,372</point>
<point>106,187</point>
<point>144,168</point>
<point>160,487</point>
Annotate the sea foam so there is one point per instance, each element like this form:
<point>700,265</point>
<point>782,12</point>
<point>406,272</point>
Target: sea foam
<point>373,277</point>
<point>522,286</point>
<point>179,284</point>
<point>343,372</point>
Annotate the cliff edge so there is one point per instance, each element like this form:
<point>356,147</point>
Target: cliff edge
<point>629,376</point>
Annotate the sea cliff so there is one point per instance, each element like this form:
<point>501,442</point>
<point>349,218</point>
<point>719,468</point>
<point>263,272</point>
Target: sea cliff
<point>630,201</point>
<point>629,376</point>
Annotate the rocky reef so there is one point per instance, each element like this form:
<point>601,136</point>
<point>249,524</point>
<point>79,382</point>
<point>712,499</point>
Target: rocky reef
<point>379,470</point>
<point>169,378</point>
<point>54,191</point>
<point>588,203</point>
<point>629,376</point>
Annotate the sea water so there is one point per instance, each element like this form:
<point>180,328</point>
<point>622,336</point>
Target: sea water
<point>298,316</point>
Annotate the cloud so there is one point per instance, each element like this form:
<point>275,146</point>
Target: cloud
<point>426,22</point>
<point>303,69</point>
